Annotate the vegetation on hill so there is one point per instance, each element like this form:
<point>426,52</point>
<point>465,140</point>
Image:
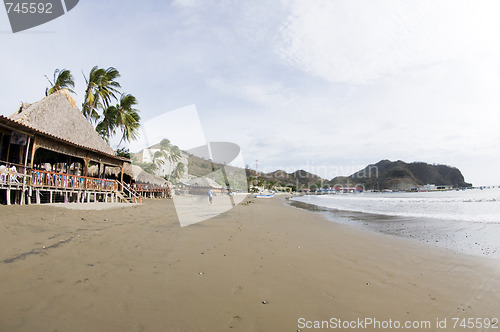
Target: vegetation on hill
<point>399,175</point>
<point>297,180</point>
<point>386,174</point>
<point>200,167</point>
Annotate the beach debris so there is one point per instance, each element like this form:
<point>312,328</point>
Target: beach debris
<point>43,247</point>
<point>265,302</point>
<point>201,273</point>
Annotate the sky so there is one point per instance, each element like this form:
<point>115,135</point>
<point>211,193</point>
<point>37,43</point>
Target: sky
<point>327,86</point>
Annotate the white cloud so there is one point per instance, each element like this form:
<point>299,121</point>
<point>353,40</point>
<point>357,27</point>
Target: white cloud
<point>361,41</point>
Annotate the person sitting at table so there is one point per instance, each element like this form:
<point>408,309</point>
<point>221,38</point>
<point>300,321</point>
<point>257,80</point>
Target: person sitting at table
<point>3,172</point>
<point>13,174</point>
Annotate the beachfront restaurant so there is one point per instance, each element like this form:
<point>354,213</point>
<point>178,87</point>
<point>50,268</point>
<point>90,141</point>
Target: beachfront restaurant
<point>46,149</point>
<point>143,184</point>
<point>201,186</point>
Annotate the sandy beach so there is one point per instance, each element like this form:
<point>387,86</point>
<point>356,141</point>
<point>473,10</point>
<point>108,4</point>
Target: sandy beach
<point>262,266</point>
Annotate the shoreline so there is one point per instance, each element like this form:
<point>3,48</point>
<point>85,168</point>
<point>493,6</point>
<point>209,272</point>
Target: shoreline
<point>260,266</point>
<point>469,238</point>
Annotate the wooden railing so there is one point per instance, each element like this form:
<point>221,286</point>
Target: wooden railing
<point>67,181</point>
<point>131,193</point>
<point>12,174</point>
<point>142,187</point>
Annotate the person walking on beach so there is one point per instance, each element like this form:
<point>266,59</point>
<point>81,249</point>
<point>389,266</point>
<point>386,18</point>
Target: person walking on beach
<point>210,196</point>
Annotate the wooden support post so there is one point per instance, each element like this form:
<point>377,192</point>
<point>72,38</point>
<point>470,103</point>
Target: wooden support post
<point>51,195</point>
<point>33,150</point>
<point>25,170</point>
<point>86,166</point>
<point>2,135</point>
<point>8,152</point>
<point>8,196</point>
<point>37,193</point>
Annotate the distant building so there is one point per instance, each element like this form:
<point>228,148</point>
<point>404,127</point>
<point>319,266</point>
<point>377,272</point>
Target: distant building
<point>433,187</point>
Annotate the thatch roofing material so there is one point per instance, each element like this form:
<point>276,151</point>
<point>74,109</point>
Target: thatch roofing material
<point>141,176</point>
<point>204,182</point>
<point>58,116</point>
<point>135,172</point>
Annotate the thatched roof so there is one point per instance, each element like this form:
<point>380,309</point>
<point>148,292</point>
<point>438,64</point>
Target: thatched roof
<point>203,182</point>
<point>141,176</point>
<point>58,115</point>
<point>135,172</point>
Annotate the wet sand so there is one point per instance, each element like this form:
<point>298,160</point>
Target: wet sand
<point>258,267</point>
<point>473,238</point>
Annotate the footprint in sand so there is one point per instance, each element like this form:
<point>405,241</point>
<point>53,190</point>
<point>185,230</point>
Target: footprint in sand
<point>235,322</point>
<point>237,290</point>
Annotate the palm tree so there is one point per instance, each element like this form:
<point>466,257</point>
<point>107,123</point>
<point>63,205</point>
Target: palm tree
<point>122,116</point>
<point>157,159</point>
<point>178,171</point>
<point>107,127</point>
<point>128,119</point>
<point>101,89</point>
<point>271,184</point>
<point>175,154</point>
<point>165,144</point>
<point>62,80</point>
<point>168,152</point>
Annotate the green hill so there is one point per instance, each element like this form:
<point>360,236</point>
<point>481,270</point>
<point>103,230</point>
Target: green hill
<point>398,175</point>
<point>297,180</point>
<point>386,174</point>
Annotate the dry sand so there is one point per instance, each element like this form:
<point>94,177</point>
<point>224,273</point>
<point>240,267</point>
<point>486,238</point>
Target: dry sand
<point>258,267</point>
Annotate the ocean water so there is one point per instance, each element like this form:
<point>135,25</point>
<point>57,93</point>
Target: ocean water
<point>465,221</point>
<point>472,205</point>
